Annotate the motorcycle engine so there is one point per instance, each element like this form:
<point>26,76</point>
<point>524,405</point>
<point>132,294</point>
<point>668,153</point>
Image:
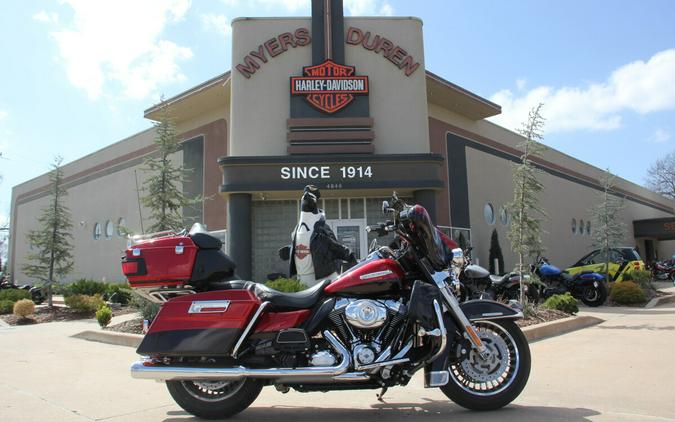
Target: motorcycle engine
<point>367,325</point>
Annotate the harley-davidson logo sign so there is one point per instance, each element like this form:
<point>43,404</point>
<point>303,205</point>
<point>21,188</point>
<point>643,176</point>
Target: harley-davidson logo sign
<point>329,86</point>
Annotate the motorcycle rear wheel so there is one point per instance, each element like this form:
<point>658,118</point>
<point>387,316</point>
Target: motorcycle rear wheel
<point>214,399</point>
<point>478,384</point>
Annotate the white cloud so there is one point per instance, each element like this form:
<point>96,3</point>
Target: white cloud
<point>520,83</point>
<point>3,114</point>
<point>640,87</point>
<point>351,7</point>
<point>46,17</point>
<point>660,136</point>
<point>217,22</point>
<point>118,46</point>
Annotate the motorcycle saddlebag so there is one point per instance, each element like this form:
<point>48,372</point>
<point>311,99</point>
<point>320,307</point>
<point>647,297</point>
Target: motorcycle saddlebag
<point>202,324</point>
<point>160,262</point>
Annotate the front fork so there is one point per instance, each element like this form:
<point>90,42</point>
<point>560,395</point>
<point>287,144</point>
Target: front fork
<point>452,304</point>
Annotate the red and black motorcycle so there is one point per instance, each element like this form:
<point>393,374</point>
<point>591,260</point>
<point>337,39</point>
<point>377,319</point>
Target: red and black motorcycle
<point>374,327</point>
<point>663,271</point>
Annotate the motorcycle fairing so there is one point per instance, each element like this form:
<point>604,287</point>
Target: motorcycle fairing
<point>485,310</point>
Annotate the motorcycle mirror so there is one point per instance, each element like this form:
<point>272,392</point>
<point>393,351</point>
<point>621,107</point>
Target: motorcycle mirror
<point>385,207</point>
<point>457,253</point>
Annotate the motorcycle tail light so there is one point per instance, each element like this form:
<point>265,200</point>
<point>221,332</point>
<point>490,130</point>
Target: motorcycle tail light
<point>133,267</point>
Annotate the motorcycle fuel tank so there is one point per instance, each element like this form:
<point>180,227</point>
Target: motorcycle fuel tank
<point>548,270</point>
<point>369,277</point>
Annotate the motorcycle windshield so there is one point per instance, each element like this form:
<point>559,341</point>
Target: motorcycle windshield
<point>427,236</point>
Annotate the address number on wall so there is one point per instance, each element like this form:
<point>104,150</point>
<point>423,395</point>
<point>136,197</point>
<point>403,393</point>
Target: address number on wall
<point>326,172</point>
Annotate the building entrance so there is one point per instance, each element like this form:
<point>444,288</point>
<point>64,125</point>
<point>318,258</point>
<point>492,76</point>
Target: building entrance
<point>352,234</point>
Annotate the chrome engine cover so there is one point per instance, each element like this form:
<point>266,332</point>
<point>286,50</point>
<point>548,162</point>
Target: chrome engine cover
<point>366,314</point>
<point>323,358</point>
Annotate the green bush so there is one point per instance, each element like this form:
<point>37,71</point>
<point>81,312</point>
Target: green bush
<point>118,293</point>
<point>6,307</point>
<point>288,285</point>
<point>146,308</point>
<point>85,287</point>
<point>565,303</point>
<point>626,293</point>
<point>23,308</point>
<point>84,303</point>
<point>641,278</point>
<point>14,295</point>
<point>103,316</point>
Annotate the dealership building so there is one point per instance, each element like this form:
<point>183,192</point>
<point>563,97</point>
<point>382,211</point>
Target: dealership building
<point>348,105</point>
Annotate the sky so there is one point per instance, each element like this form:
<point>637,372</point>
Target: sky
<point>76,75</point>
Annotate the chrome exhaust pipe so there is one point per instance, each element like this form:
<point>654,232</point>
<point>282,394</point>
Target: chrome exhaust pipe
<point>146,370</point>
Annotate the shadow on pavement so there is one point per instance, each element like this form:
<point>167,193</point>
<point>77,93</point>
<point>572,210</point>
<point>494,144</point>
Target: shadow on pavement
<point>432,410</point>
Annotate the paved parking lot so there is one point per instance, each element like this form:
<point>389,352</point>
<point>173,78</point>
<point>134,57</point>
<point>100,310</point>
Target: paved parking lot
<point>621,370</point>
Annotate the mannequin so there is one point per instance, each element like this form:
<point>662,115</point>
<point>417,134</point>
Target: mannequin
<point>314,254</point>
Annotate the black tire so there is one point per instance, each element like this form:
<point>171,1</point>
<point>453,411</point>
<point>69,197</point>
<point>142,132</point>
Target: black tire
<point>460,390</point>
<point>204,403</point>
<point>594,296</point>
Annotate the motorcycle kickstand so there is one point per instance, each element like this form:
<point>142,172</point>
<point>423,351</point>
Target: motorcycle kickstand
<point>381,394</point>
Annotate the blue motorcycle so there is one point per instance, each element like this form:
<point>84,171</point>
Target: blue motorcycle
<point>587,286</point>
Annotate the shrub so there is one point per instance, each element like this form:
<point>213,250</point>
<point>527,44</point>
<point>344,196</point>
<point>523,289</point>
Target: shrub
<point>288,285</point>
<point>641,278</point>
<point>14,295</point>
<point>103,316</point>
<point>23,308</point>
<point>146,308</point>
<point>85,304</point>
<point>565,303</point>
<point>85,287</point>
<point>6,307</point>
<point>626,293</point>
<point>118,293</point>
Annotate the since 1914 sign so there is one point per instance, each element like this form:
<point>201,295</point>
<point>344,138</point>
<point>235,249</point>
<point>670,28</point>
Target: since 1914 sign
<point>329,86</point>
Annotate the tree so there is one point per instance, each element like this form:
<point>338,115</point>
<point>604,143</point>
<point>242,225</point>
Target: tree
<point>525,231</point>
<point>609,230</point>
<point>496,253</point>
<point>661,176</point>
<point>165,197</point>
<point>51,250</point>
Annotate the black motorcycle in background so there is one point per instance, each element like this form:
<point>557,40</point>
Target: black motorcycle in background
<point>36,293</point>
<point>478,283</point>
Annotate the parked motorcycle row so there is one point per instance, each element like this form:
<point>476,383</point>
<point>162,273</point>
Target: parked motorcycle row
<point>36,293</point>
<point>663,270</point>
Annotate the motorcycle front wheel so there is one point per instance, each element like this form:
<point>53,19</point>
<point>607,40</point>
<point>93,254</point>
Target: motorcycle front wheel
<point>594,295</point>
<point>214,399</point>
<point>488,384</point>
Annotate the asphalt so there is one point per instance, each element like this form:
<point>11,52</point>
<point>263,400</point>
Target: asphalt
<point>620,370</point>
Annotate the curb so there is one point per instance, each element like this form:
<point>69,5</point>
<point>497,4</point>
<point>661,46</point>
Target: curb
<point>111,337</point>
<point>532,333</point>
<point>661,300</point>
<point>560,326</point>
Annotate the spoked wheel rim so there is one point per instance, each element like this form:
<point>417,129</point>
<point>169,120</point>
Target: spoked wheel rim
<point>591,294</point>
<point>481,377</point>
<point>212,391</point>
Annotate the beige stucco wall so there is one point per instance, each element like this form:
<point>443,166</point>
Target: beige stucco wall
<point>397,103</point>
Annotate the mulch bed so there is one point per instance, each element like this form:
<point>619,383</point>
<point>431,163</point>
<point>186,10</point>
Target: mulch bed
<point>57,314</point>
<point>542,315</point>
<point>134,326</point>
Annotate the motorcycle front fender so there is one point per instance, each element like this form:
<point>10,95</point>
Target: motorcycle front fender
<point>485,310</point>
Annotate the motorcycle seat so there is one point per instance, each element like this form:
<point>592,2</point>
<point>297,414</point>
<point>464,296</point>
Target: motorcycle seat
<point>499,279</point>
<point>300,300</point>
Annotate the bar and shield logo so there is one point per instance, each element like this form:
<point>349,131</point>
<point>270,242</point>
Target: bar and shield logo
<point>329,86</point>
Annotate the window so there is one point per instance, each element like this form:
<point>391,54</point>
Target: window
<point>581,226</point>
<point>489,214</point>
<point>97,231</point>
<point>121,227</point>
<point>504,216</point>
<point>588,228</point>
<point>109,229</point>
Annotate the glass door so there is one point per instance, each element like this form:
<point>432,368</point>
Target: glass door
<point>352,234</point>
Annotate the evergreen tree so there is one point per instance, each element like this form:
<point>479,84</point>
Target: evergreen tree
<point>461,241</point>
<point>164,187</point>
<point>496,253</point>
<point>608,230</point>
<point>50,248</point>
<point>525,231</point>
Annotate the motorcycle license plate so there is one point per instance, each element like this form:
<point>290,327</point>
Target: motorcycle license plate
<point>595,284</point>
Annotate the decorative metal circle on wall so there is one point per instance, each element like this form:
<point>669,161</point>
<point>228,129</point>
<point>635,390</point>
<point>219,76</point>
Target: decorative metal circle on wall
<point>489,214</point>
